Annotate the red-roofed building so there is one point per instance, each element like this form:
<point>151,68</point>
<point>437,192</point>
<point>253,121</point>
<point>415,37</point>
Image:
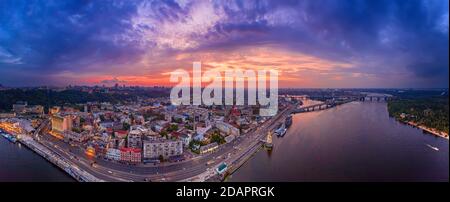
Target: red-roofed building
<point>175,134</point>
<point>121,134</point>
<point>131,155</point>
<point>235,111</point>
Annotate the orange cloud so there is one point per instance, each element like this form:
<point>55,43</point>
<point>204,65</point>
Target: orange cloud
<point>295,69</point>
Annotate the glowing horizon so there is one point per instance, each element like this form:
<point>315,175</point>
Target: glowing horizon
<point>313,44</point>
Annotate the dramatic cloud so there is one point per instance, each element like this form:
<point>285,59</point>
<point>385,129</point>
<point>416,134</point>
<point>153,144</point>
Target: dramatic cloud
<point>7,58</point>
<point>320,43</point>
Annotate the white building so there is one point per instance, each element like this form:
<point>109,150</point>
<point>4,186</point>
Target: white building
<point>203,130</point>
<point>141,129</point>
<point>74,136</point>
<point>134,139</point>
<point>164,148</point>
<point>113,154</point>
<point>229,138</point>
<point>227,129</point>
<point>186,139</point>
<point>209,148</point>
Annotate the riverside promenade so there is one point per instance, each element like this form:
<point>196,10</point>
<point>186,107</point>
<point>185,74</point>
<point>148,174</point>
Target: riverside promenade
<point>74,171</point>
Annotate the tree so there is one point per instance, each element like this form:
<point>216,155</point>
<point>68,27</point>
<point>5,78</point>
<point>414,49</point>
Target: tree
<point>432,112</point>
<point>216,137</point>
<point>189,127</point>
<point>194,146</point>
<point>82,120</point>
<point>172,127</point>
<point>163,134</point>
<point>77,130</point>
<point>125,126</point>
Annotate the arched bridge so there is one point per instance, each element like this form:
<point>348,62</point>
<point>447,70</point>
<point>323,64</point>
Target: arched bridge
<point>376,97</point>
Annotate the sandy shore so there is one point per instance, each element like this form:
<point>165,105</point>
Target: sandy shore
<point>429,130</point>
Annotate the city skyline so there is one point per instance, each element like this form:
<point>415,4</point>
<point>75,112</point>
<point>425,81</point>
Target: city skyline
<point>313,44</point>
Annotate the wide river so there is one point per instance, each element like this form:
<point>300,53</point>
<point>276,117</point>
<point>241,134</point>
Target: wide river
<point>357,141</point>
<point>18,163</point>
<point>353,142</point>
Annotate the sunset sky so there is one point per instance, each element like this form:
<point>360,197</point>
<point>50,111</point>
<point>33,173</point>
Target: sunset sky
<point>315,43</point>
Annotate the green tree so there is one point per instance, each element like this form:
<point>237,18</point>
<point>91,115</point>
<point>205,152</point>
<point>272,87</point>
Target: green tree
<point>172,127</point>
<point>163,134</point>
<point>216,137</point>
<point>125,126</point>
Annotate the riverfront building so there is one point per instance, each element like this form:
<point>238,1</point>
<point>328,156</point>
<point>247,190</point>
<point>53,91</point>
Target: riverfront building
<point>164,148</point>
<point>186,139</point>
<point>209,148</point>
<point>74,136</point>
<point>61,123</point>
<point>131,155</point>
<point>227,129</point>
<point>134,139</point>
<point>113,154</point>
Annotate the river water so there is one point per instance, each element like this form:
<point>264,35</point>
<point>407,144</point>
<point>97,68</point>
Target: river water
<point>357,141</point>
<point>353,142</point>
<point>18,163</point>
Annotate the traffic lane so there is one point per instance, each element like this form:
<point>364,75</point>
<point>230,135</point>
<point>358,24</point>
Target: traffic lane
<point>176,167</point>
<point>78,161</point>
<point>62,154</point>
<point>83,165</point>
<point>184,172</point>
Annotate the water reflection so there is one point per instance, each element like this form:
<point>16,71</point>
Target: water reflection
<point>353,142</point>
<point>18,163</point>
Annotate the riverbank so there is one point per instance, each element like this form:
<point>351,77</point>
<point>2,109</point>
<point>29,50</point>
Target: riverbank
<point>429,130</point>
<point>355,142</point>
<point>75,172</point>
<point>21,164</point>
<point>429,113</point>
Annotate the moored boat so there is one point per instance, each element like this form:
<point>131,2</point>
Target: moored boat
<point>288,121</point>
<point>281,131</point>
<point>9,137</point>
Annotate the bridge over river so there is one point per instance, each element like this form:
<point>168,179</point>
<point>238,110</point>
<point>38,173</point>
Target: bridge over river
<point>335,101</point>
